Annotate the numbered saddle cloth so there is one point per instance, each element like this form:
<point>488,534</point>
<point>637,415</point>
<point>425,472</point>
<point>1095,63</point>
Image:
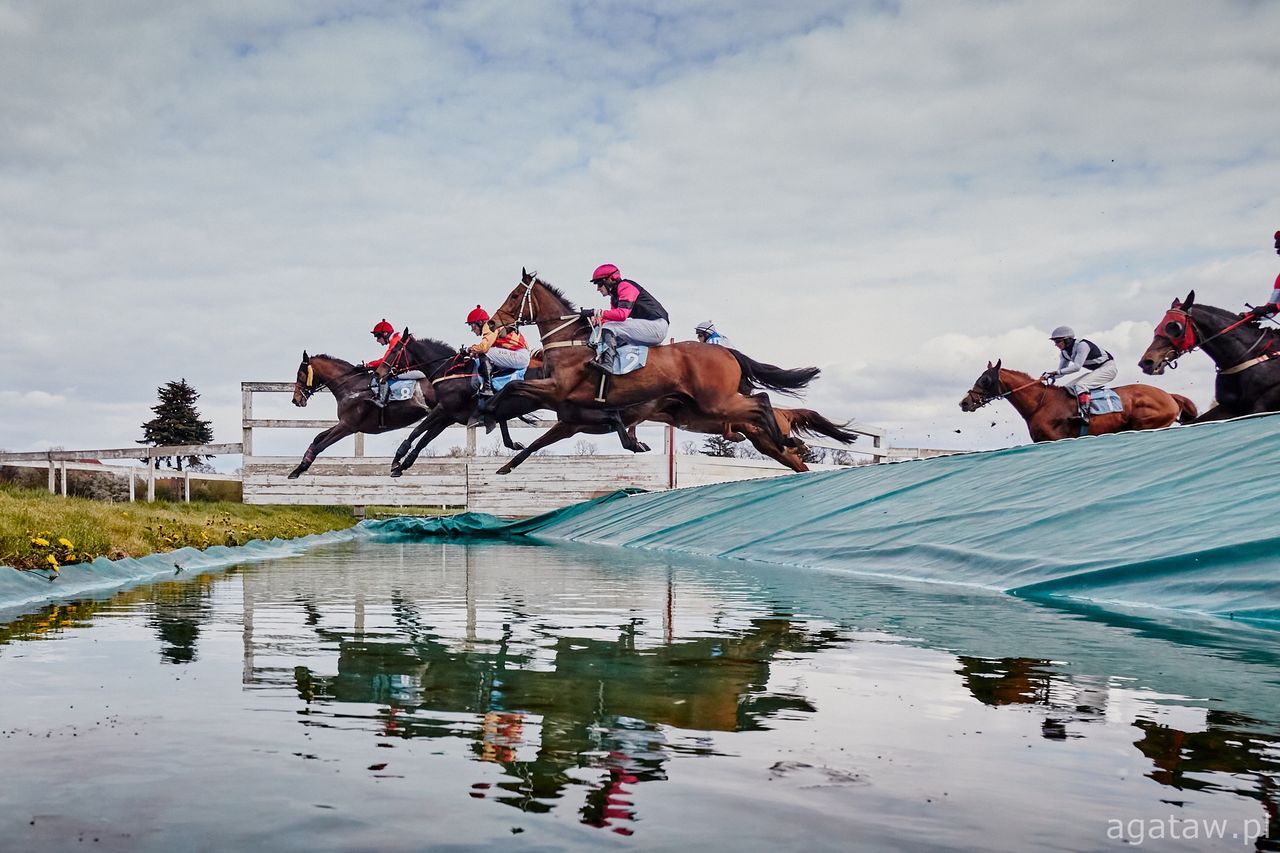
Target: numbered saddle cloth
<point>500,380</point>
<point>1104,401</point>
<point>627,358</point>
<point>402,389</point>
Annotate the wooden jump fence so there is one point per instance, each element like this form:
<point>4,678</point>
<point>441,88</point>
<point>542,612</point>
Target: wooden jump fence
<point>62,461</point>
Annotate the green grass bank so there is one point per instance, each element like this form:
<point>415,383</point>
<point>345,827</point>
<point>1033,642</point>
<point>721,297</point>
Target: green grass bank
<point>44,531</point>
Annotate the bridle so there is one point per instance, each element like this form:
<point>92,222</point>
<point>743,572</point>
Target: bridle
<point>309,386</point>
<point>1179,328</point>
<point>526,304</point>
<point>1002,394</point>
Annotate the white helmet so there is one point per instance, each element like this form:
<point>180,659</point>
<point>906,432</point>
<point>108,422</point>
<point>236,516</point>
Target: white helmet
<point>1062,332</point>
<point>705,326</point>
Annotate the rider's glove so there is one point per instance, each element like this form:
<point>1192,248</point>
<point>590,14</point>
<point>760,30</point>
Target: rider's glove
<point>1046,378</point>
<point>1263,310</point>
<point>587,313</point>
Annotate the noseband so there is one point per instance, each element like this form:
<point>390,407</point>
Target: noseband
<point>309,387</point>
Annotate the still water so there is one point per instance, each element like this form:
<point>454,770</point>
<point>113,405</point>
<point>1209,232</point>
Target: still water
<point>380,695</point>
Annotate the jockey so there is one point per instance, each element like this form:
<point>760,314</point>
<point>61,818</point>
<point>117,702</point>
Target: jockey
<point>633,315</point>
<point>1074,355</point>
<point>502,347</point>
<point>1273,301</point>
<point>386,335</point>
<point>707,334</point>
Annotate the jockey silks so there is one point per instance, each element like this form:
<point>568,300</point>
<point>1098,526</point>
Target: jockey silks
<point>630,300</point>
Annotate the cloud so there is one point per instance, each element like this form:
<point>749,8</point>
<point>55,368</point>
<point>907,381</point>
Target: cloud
<point>896,192</point>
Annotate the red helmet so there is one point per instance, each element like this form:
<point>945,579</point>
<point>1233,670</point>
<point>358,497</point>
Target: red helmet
<point>604,271</point>
<point>384,328</point>
<point>477,315</point>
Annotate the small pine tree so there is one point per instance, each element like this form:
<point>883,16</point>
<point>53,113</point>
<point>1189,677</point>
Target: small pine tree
<point>176,422</point>
<point>718,445</point>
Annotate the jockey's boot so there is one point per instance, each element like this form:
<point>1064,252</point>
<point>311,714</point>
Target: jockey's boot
<point>485,369</point>
<point>381,390</point>
<point>1082,400</point>
<point>607,353</point>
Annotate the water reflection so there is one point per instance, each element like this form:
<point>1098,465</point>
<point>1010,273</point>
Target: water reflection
<point>567,683</point>
<point>605,704</point>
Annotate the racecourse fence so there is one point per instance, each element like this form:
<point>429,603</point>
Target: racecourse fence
<point>59,462</point>
<point>470,481</point>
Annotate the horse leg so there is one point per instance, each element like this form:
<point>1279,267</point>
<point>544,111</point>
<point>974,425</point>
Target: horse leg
<point>561,430</point>
<point>405,445</point>
<point>326,438</point>
<point>625,435</point>
<point>432,426</point>
<point>506,437</point>
<point>1217,413</point>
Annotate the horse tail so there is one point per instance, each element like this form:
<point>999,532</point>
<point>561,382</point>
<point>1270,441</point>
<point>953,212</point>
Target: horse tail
<point>1187,411</point>
<point>757,374</point>
<point>810,422</point>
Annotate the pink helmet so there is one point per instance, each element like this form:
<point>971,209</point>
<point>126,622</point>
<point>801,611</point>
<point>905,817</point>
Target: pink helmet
<point>604,271</point>
<point>477,315</point>
<point>384,328</point>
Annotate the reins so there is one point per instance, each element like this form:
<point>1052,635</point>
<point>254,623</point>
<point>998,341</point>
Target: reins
<point>526,301</point>
<point>1244,364</point>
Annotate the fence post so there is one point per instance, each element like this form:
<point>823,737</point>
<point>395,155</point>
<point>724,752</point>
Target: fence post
<point>64,478</point>
<point>186,485</point>
<point>471,441</point>
<point>131,492</point>
<point>246,412</point>
<point>52,476</point>
<point>151,476</point>
<point>359,444</point>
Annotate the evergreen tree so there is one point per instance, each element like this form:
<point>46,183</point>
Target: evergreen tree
<point>176,422</point>
<point>718,445</point>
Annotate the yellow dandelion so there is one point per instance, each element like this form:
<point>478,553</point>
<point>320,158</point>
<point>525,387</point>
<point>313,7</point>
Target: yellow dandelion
<point>43,543</point>
<point>53,561</point>
<point>65,543</point>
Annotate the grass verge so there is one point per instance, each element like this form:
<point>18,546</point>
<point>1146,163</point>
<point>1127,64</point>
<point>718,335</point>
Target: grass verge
<point>43,531</point>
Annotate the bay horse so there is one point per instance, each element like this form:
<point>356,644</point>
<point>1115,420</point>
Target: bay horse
<point>1246,354</point>
<point>1051,412</point>
<point>690,385</point>
<point>356,410</point>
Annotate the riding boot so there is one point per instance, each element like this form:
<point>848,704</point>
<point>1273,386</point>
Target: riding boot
<point>485,368</point>
<point>1082,400</point>
<point>381,390</point>
<point>607,353</point>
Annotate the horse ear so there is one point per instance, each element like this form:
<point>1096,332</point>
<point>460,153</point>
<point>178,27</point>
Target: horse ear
<point>988,364</point>
<point>999,361</point>
<point>405,333</point>
<point>1191,297</point>
<point>305,356</point>
<point>1176,303</point>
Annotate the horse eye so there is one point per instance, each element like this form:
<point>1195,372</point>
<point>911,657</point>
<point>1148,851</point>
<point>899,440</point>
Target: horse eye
<point>1173,329</point>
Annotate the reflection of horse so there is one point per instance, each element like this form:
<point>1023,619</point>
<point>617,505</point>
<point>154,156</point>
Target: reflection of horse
<point>1051,413</point>
<point>690,385</point>
<point>1247,356</point>
<point>356,409</point>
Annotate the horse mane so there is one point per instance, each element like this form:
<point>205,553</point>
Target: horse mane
<point>1227,316</point>
<point>559,294</point>
<point>333,358</point>
<point>436,343</point>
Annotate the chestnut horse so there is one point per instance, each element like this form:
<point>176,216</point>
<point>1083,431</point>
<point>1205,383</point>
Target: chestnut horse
<point>1247,356</point>
<point>1051,413</point>
<point>356,410</point>
<point>690,385</point>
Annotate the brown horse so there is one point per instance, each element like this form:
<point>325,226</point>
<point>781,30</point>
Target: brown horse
<point>356,410</point>
<point>690,385</point>
<point>1051,413</point>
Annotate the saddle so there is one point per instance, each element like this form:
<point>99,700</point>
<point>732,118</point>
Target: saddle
<point>1102,401</point>
<point>627,358</point>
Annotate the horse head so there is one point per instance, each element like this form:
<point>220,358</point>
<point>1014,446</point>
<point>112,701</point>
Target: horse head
<point>1175,335</point>
<point>532,302</point>
<point>986,388</point>
<point>304,384</point>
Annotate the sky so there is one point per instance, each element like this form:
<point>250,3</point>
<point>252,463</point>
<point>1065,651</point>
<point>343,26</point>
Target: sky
<point>895,192</point>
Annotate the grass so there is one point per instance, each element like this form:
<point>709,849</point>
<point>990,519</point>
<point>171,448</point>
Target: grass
<point>43,531</point>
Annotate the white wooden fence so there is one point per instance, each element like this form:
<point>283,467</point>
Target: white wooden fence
<point>62,461</point>
<point>540,484</point>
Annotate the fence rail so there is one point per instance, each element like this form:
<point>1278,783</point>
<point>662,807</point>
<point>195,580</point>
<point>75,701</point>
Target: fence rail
<point>67,460</point>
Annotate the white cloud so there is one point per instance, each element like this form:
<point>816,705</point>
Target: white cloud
<point>896,193</point>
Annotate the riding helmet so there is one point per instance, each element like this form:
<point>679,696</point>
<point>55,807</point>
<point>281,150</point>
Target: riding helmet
<point>1062,333</point>
<point>384,328</point>
<point>604,272</point>
<point>477,315</point>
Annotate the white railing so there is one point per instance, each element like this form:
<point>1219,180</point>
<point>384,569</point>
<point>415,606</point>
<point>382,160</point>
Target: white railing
<point>67,460</point>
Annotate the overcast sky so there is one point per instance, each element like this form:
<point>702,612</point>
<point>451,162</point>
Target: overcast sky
<point>896,192</point>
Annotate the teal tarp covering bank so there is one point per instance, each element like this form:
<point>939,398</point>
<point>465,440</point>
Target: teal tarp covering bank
<point>1186,519</point>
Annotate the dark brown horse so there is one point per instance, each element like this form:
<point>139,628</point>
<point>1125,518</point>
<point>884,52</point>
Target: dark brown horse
<point>450,386</point>
<point>1247,356</point>
<point>1051,413</point>
<point>356,410</point>
<point>690,385</point>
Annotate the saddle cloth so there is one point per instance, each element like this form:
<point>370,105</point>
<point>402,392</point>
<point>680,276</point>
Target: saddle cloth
<point>1104,401</point>
<point>501,378</point>
<point>629,357</point>
<point>402,389</point>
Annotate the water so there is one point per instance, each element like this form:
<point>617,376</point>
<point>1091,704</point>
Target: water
<point>402,696</point>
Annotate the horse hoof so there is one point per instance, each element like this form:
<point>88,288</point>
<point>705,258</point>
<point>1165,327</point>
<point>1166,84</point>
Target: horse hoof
<point>505,469</point>
<point>396,472</point>
<point>293,475</point>
<point>517,446</point>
